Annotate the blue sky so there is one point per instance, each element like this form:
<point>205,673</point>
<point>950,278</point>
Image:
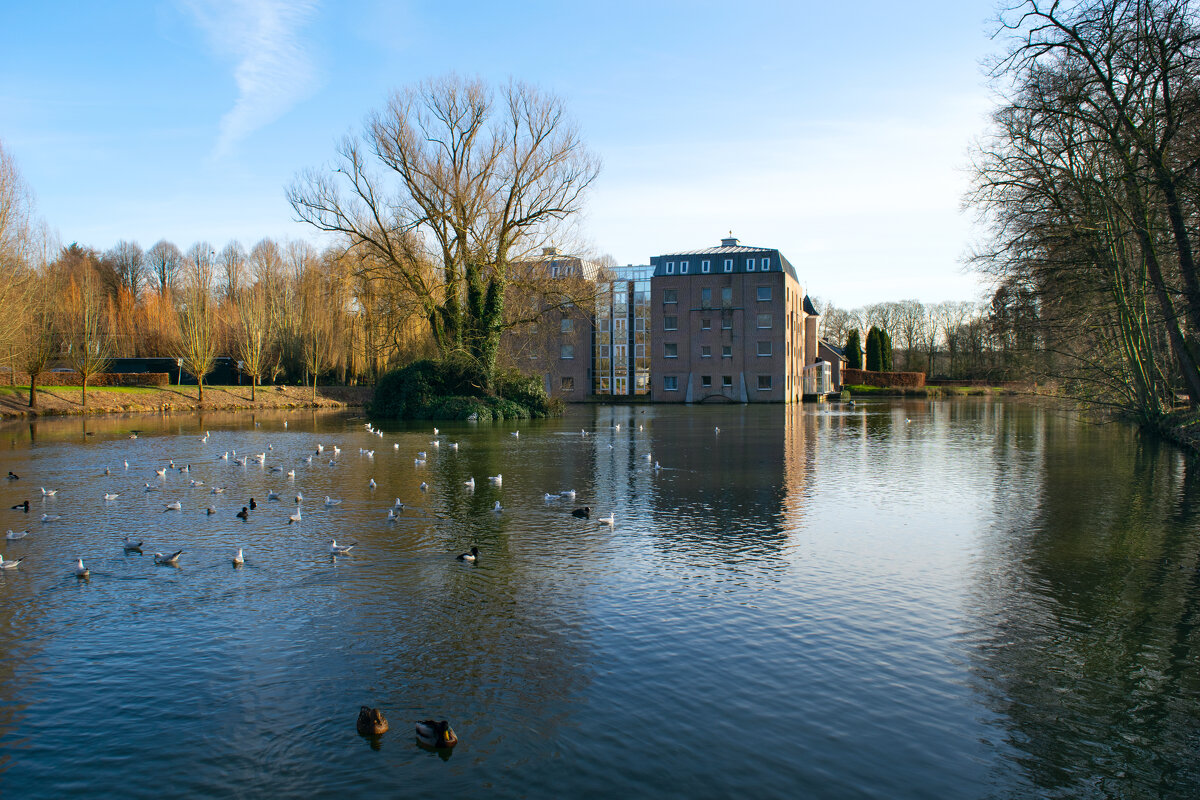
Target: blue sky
<point>838,133</point>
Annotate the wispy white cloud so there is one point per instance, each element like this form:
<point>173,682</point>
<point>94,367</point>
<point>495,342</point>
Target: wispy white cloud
<point>272,67</point>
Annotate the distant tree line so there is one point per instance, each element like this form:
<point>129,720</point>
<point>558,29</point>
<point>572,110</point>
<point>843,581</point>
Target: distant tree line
<point>954,340</point>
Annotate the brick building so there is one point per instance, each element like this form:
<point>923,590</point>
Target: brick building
<point>733,323</point>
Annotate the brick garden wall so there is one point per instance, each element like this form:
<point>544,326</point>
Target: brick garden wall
<point>890,380</point>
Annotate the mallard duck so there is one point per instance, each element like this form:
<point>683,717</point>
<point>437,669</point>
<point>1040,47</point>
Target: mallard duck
<point>371,722</point>
<point>436,734</point>
<point>471,556</point>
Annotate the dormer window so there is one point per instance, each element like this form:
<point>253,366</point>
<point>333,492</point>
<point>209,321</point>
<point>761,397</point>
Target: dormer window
<point>683,267</point>
<point>766,264</point>
<point>705,266</point>
<point>670,267</point>
<point>729,265</point>
<point>749,265</point>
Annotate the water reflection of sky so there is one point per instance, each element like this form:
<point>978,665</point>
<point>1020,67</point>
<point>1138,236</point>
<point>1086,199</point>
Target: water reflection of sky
<point>899,599</point>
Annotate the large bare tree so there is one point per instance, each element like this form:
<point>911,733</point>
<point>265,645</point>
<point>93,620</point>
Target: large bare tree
<point>448,185</point>
<point>163,260</point>
<point>85,329</point>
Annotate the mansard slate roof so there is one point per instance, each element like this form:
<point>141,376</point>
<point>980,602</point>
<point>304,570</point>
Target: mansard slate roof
<point>738,251</point>
<point>809,308</point>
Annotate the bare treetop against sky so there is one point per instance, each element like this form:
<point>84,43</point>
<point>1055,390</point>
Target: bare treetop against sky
<point>835,132</point>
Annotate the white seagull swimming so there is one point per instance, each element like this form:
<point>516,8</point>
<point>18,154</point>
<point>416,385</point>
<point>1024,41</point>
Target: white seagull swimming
<point>13,536</point>
<point>330,502</point>
<point>174,505</point>
<point>239,559</point>
<point>111,496</point>
<point>80,570</point>
<point>10,564</point>
<point>49,492</point>
<point>336,549</point>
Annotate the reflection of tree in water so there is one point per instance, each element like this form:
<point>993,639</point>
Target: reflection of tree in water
<point>1089,609</point>
<point>731,495</point>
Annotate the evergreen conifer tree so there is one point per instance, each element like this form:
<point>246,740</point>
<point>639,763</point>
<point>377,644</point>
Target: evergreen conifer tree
<point>853,351</point>
<point>885,350</point>
<point>874,360</point>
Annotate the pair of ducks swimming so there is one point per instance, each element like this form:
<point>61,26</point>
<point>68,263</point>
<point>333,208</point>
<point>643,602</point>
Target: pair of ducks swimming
<point>431,733</point>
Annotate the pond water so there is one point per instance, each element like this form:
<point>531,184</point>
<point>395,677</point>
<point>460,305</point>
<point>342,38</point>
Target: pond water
<point>968,599</point>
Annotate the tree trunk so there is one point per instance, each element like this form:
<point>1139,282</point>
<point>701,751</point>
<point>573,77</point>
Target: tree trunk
<point>253,383</point>
<point>200,383</point>
<point>314,394</point>
<point>84,392</point>
<point>33,390</point>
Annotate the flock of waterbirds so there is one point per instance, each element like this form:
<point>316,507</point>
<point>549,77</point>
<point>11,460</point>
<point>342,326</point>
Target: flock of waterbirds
<point>238,559</point>
<point>371,723</point>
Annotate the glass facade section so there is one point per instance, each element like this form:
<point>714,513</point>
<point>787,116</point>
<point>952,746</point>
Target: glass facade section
<point>621,361</point>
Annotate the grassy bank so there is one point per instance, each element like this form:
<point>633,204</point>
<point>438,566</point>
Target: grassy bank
<point>66,400</point>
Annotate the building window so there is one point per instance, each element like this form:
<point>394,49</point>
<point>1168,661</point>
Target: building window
<point>766,265</point>
<point>727,381</point>
<point>670,323</point>
<point>764,320</point>
<point>706,351</point>
<point>705,266</point>
<point>670,350</point>
<point>705,323</point>
<point>670,295</point>
<point>670,383</point>
<point>706,298</point>
<point>568,351</point>
<point>764,348</point>
<point>568,325</point>
<point>749,265</point>
<point>683,267</point>
<point>764,382</point>
<point>670,267</point>
<point>764,293</point>
<point>726,351</point>
<point>726,296</point>
<point>706,381</point>
<point>729,265</point>
<point>726,323</point>
<point>567,384</point>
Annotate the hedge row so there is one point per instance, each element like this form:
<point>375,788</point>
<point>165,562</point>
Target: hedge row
<point>895,380</point>
<point>102,379</point>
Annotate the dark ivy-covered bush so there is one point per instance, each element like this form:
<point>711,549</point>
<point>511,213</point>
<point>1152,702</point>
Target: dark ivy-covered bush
<point>453,389</point>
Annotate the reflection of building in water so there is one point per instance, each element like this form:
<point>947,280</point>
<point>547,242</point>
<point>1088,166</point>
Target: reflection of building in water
<point>799,457</point>
<point>738,493</point>
<point>622,352</point>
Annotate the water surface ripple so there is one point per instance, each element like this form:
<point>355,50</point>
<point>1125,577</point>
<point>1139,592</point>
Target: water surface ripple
<point>969,599</point>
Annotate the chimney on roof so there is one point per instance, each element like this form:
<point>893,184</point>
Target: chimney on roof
<point>729,241</point>
<point>549,251</point>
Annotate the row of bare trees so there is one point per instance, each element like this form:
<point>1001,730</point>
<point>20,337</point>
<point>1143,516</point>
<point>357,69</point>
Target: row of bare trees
<point>1090,181</point>
<point>953,339</point>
